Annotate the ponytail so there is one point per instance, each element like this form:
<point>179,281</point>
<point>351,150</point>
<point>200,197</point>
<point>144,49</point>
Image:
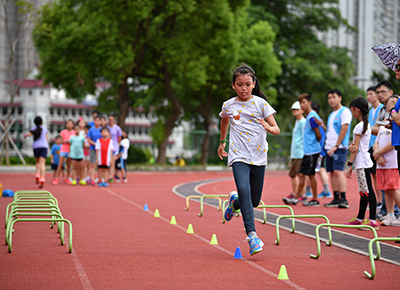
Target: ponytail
<point>38,130</point>
<point>257,90</point>
<point>365,120</point>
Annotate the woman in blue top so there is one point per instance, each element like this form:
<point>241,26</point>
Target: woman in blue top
<point>40,146</point>
<point>395,115</point>
<point>249,117</point>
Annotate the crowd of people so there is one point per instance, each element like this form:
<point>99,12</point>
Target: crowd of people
<point>318,148</point>
<point>81,148</point>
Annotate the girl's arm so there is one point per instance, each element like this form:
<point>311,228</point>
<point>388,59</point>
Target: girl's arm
<point>395,116</point>
<point>27,134</point>
<point>355,143</point>
<point>270,125</point>
<point>224,131</point>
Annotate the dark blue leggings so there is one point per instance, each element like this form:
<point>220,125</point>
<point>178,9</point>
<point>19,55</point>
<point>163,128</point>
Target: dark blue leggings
<point>249,181</point>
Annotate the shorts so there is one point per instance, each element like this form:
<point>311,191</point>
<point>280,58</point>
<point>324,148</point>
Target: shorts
<point>120,164</point>
<point>308,164</point>
<point>387,179</point>
<point>294,167</point>
<point>64,154</point>
<point>55,166</point>
<point>373,168</point>
<point>338,164</point>
<point>40,152</point>
<point>77,159</point>
<point>103,166</point>
<point>92,156</point>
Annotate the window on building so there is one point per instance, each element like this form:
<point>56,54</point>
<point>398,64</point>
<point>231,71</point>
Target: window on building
<point>41,92</point>
<point>4,110</point>
<point>51,128</point>
<point>59,111</point>
<point>20,110</point>
<point>51,111</point>
<point>80,112</point>
<point>73,112</point>
<point>30,92</point>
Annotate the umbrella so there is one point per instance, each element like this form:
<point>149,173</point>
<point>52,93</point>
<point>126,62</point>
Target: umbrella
<point>389,53</point>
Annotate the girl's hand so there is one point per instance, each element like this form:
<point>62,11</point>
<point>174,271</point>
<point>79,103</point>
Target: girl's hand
<point>26,135</point>
<point>266,126</point>
<point>349,172</point>
<point>381,161</point>
<point>376,154</point>
<point>353,148</point>
<point>221,151</point>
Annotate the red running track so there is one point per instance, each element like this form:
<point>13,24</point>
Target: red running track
<point>117,245</point>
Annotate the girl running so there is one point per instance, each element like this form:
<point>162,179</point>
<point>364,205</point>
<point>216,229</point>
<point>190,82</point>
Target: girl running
<point>250,117</point>
<point>40,146</point>
<point>362,163</point>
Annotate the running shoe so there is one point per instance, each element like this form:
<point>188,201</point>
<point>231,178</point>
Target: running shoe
<point>111,180</point>
<point>93,183</point>
<point>288,200</point>
<point>312,202</point>
<point>354,222</point>
<point>396,223</point>
<point>37,178</point>
<point>343,203</point>
<point>333,203</point>
<point>230,211</point>
<point>255,244</point>
<point>373,224</point>
<point>73,182</point>
<point>67,181</point>
<point>41,182</point>
<point>309,194</point>
<point>100,184</point>
<point>324,194</point>
<point>302,199</point>
<point>82,182</point>
<point>388,220</point>
<point>125,180</point>
<point>118,180</point>
<point>105,184</point>
<point>55,181</point>
<point>378,206</point>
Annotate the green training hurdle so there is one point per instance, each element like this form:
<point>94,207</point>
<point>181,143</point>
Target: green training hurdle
<point>371,253</point>
<point>210,196</point>
<point>301,216</point>
<point>329,243</point>
<point>27,203</point>
<point>33,193</point>
<point>281,206</point>
<point>57,216</point>
<point>238,213</point>
<point>42,220</point>
<point>199,197</point>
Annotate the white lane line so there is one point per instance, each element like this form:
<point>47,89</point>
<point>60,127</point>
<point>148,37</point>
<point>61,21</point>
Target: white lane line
<point>251,263</point>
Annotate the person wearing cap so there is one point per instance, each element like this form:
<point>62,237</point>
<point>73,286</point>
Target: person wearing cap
<point>296,149</point>
<point>336,145</point>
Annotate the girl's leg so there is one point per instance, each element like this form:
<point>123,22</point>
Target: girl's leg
<point>68,168</point>
<point>256,183</point>
<point>60,165</point>
<point>371,195</point>
<point>74,168</point>
<point>42,166</point>
<point>389,201</point>
<point>37,166</point>
<point>363,191</point>
<point>241,173</point>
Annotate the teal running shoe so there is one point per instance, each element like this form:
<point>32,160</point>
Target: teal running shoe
<point>255,245</point>
<point>100,184</point>
<point>230,211</point>
<point>105,184</point>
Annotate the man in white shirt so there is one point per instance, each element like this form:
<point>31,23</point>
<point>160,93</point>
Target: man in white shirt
<point>336,145</point>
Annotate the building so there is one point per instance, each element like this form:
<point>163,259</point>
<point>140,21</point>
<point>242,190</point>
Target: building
<point>377,22</point>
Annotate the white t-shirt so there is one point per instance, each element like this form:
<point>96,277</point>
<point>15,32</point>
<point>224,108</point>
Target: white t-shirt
<point>247,138</point>
<point>363,158</point>
<point>384,137</point>
<point>125,143</point>
<point>331,135</point>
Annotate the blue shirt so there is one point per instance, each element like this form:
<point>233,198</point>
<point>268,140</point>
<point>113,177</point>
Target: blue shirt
<point>323,135</point>
<point>76,149</point>
<point>372,120</point>
<point>396,128</point>
<point>310,142</point>
<point>56,157</point>
<point>91,124</point>
<point>94,134</point>
<point>296,148</point>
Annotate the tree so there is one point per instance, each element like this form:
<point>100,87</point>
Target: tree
<point>389,75</point>
<point>15,31</point>
<point>308,65</point>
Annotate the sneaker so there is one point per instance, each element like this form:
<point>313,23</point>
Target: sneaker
<point>333,203</point>
<point>41,182</point>
<point>343,203</point>
<point>290,200</point>
<point>380,215</point>
<point>105,184</point>
<point>325,195</point>
<point>309,194</point>
<point>396,223</point>
<point>302,199</point>
<point>290,195</point>
<point>388,220</point>
<point>373,224</point>
<point>37,178</point>
<point>92,183</point>
<point>111,180</point>
<point>82,182</point>
<point>125,180</point>
<point>378,206</point>
<point>67,181</point>
<point>73,182</point>
<point>230,211</point>
<point>118,180</point>
<point>100,184</point>
<point>55,181</point>
<point>255,244</point>
<point>312,202</point>
<point>354,222</point>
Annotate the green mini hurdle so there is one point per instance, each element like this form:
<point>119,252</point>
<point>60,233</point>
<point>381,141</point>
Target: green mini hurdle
<point>371,253</point>
<point>279,206</point>
<point>210,196</point>
<point>329,243</point>
<point>199,197</point>
<point>300,216</point>
<point>40,203</point>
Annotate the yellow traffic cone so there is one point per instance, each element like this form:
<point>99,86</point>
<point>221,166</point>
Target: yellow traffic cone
<point>283,274</point>
<point>190,229</point>
<point>173,220</point>
<point>214,240</point>
<point>156,213</point>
